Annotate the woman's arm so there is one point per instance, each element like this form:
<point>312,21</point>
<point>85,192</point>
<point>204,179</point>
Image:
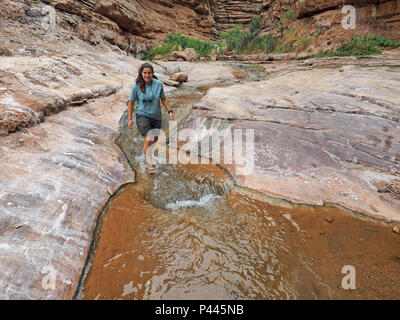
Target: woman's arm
<point>130,111</point>
<point>168,107</point>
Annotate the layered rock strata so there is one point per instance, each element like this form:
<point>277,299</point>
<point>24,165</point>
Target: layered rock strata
<point>132,26</point>
<point>323,21</point>
<point>228,13</point>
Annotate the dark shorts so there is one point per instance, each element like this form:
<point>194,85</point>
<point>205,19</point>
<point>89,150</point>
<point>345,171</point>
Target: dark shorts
<point>145,124</point>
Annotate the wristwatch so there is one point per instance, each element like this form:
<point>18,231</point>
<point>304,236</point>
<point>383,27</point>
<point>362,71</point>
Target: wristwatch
<point>171,111</point>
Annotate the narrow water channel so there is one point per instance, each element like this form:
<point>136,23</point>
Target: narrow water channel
<point>189,233</point>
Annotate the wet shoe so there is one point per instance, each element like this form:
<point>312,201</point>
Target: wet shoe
<point>150,169</point>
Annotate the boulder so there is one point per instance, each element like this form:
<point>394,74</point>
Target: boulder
<point>191,54</point>
<point>176,55</point>
<point>171,83</point>
<point>179,77</point>
<point>4,51</point>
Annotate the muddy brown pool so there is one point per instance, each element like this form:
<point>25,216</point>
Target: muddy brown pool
<point>238,247</point>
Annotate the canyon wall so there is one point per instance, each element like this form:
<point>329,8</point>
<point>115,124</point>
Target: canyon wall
<point>132,26</point>
<point>322,20</point>
<point>227,13</point>
<point>136,26</point>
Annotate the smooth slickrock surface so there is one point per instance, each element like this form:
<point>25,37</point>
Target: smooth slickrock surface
<point>201,74</point>
<point>55,179</point>
<point>328,134</point>
<point>59,163</point>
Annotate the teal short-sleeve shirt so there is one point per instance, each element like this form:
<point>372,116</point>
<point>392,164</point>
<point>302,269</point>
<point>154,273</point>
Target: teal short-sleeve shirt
<point>148,104</point>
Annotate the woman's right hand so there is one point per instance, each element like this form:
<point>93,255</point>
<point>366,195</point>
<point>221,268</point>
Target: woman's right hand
<point>130,123</point>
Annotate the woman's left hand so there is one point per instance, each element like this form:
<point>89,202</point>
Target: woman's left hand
<point>171,115</point>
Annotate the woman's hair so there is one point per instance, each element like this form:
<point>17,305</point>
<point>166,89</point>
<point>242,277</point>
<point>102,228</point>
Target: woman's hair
<point>139,80</point>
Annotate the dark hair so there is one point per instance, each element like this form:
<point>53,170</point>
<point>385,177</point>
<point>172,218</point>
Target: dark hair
<point>139,80</point>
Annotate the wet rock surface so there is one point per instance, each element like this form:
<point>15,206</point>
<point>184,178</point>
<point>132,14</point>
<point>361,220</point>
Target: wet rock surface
<point>59,120</point>
<point>55,178</point>
<point>325,134</point>
<point>173,183</point>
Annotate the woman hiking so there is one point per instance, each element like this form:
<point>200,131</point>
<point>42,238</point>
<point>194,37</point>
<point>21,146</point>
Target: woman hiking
<point>147,92</point>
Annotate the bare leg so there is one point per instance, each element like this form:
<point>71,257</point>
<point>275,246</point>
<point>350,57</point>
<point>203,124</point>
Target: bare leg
<point>147,150</point>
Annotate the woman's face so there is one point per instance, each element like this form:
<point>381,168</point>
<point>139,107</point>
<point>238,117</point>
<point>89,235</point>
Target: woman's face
<point>147,75</point>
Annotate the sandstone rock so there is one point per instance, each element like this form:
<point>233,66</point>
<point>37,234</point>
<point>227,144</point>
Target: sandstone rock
<point>179,77</point>
<point>328,219</point>
<point>228,13</point>
<point>128,24</point>
<point>307,235</point>
<point>396,229</point>
<point>373,17</point>
<point>72,158</point>
<point>200,74</point>
<point>191,54</point>
<point>307,147</point>
<point>176,55</point>
<point>4,51</point>
<point>282,56</point>
<point>171,83</point>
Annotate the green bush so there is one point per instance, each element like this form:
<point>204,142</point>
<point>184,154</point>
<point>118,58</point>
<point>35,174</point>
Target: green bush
<point>147,57</point>
<point>381,42</point>
<point>164,49</point>
<point>240,41</point>
<point>317,32</point>
<point>255,25</point>
<point>361,46</point>
<point>203,48</point>
<point>175,41</point>
<point>290,15</point>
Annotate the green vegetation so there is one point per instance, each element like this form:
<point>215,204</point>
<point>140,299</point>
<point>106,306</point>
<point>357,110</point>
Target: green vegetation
<point>292,42</point>
<point>254,67</point>
<point>317,33</point>
<point>175,41</point>
<point>279,25</point>
<point>290,15</point>
<point>240,41</point>
<point>203,48</point>
<point>255,25</point>
<point>147,57</point>
<point>361,46</point>
<point>164,49</point>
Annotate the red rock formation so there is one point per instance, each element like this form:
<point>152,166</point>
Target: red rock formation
<point>147,20</point>
<point>381,17</point>
<point>227,13</point>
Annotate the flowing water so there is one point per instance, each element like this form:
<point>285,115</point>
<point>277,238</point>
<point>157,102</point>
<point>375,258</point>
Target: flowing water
<point>189,233</point>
